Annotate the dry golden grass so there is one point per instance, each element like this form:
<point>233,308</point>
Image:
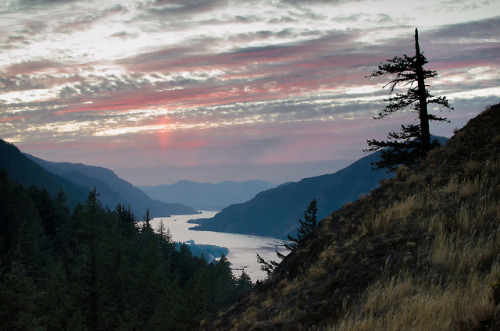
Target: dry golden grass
<point>420,253</point>
<point>492,166</point>
<point>422,304</point>
<point>291,287</point>
<point>472,168</point>
<point>249,316</point>
<point>467,189</point>
<point>452,187</point>
<point>382,222</point>
<point>268,302</point>
<point>461,255</point>
<point>327,254</point>
<point>414,178</point>
<point>465,247</point>
<point>465,242</point>
<point>316,271</point>
<point>402,171</point>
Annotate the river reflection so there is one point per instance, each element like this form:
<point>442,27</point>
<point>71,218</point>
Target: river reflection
<point>242,248</point>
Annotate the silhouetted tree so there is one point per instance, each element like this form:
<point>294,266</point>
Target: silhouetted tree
<point>309,223</point>
<point>92,202</point>
<point>414,140</point>
<point>307,226</point>
<point>267,267</point>
<point>244,283</point>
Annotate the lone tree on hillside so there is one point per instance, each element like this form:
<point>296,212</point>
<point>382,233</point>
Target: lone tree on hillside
<point>306,226</point>
<point>414,140</point>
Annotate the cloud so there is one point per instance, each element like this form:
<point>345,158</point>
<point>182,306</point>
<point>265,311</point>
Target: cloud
<point>216,82</point>
<point>41,2</point>
<point>28,67</point>
<point>481,30</point>
<point>183,7</point>
<point>305,2</point>
<point>86,20</point>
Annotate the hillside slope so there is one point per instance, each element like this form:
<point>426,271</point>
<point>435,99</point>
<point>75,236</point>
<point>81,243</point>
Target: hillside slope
<point>275,212</point>
<point>112,189</point>
<point>23,170</point>
<point>207,196</point>
<point>422,252</point>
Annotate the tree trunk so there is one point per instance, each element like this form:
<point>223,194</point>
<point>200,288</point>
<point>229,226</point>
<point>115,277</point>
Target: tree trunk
<point>422,98</point>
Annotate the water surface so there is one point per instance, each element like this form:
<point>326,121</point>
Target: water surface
<point>242,248</point>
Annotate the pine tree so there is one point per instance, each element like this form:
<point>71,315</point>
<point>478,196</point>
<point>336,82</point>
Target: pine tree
<point>414,140</point>
<point>306,227</point>
<point>244,283</point>
<point>267,267</point>
<point>93,308</point>
<point>18,300</point>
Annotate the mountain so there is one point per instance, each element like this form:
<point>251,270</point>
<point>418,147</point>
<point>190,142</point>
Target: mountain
<point>421,252</point>
<point>206,196</point>
<point>275,212</point>
<point>23,170</point>
<point>112,189</point>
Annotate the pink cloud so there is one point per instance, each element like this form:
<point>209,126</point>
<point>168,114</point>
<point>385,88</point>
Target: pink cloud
<point>14,118</point>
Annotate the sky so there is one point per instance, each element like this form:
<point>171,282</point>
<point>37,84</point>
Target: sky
<point>213,90</point>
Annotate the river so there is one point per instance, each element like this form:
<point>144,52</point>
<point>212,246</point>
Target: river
<point>243,249</point>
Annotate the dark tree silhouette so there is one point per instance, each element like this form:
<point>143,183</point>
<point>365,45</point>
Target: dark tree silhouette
<point>106,273</point>
<point>267,267</point>
<point>414,140</point>
<point>306,226</point>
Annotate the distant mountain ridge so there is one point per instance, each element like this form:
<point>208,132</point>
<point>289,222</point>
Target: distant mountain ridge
<point>113,190</point>
<point>207,196</point>
<point>275,212</point>
<point>23,170</point>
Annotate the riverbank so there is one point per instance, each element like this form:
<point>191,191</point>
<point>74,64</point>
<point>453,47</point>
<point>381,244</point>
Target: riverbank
<point>242,248</point>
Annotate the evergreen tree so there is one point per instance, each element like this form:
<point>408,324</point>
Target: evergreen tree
<point>414,140</point>
<point>128,221</point>
<point>149,276</point>
<point>244,283</point>
<point>267,267</point>
<point>18,300</point>
<point>197,296</point>
<point>105,274</point>
<point>306,227</point>
<point>57,304</point>
<point>223,285</point>
<point>93,286</point>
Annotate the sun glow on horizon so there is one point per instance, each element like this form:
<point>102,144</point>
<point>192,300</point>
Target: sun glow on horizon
<point>252,79</point>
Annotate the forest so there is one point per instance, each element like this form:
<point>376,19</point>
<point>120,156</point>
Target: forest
<point>100,269</point>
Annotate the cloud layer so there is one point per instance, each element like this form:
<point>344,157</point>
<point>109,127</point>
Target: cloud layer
<point>175,84</point>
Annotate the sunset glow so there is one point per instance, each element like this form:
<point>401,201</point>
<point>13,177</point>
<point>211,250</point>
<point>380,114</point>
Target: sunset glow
<point>158,90</point>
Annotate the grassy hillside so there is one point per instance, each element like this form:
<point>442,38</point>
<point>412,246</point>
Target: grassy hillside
<point>422,252</point>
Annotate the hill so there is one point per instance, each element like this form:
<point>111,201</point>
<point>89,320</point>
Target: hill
<point>112,189</point>
<point>207,196</point>
<point>23,170</point>
<point>421,252</point>
<point>275,212</point>
<point>98,269</point>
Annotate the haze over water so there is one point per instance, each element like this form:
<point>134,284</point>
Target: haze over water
<point>242,248</point>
